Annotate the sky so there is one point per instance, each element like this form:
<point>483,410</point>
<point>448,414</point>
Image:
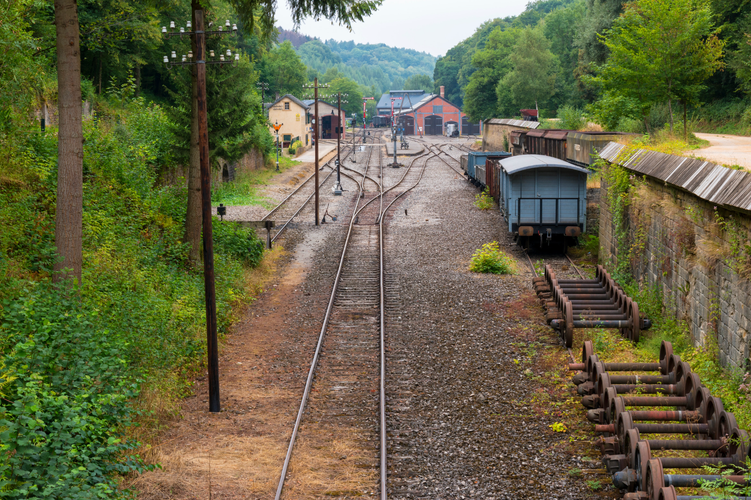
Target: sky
<point>440,25</point>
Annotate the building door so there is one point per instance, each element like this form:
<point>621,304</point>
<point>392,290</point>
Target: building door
<point>328,126</point>
<point>469,128</point>
<point>407,123</point>
<point>434,125</point>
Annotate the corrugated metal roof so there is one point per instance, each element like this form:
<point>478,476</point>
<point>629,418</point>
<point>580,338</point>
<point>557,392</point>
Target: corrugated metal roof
<point>516,164</point>
<point>714,183</point>
<point>556,134</point>
<point>515,123</point>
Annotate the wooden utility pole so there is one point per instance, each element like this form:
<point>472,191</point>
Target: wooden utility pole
<point>208,239</point>
<point>315,105</point>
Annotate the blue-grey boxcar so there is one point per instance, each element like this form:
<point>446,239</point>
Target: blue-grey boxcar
<point>542,195</point>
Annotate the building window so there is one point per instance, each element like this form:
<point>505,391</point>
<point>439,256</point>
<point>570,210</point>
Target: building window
<point>307,118</point>
<point>286,105</point>
<point>437,110</point>
<point>287,137</point>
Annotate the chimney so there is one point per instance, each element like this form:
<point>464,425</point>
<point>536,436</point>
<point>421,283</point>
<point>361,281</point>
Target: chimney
<point>443,89</point>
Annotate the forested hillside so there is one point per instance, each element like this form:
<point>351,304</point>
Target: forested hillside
<point>379,67</point>
<point>558,54</point>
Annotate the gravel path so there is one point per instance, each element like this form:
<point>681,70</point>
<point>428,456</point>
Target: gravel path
<point>725,149</point>
<point>460,419</point>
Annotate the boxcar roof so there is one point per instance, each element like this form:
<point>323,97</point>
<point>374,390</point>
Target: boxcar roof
<point>516,164</point>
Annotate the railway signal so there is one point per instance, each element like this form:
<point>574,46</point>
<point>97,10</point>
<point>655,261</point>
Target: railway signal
<point>393,129</point>
<point>277,126</point>
<point>203,147</point>
<point>365,115</point>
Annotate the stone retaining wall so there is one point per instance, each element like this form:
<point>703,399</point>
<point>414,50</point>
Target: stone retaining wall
<point>694,251</point>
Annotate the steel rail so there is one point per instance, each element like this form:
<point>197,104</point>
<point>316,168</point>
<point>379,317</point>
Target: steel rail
<point>398,183</point>
<point>273,210</point>
<point>317,354</point>
<point>382,342</point>
<point>305,203</point>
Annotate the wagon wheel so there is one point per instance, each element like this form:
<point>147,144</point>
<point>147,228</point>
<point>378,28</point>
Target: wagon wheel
<point>668,493</point>
<point>655,479</point>
<point>587,350</point>
<point>666,350</point>
<point>568,331</point>
<point>626,332</point>
<point>635,322</point>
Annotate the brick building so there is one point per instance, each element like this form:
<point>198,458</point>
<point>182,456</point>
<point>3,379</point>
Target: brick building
<point>429,115</point>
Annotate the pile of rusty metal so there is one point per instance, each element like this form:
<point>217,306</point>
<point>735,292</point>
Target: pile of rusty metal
<point>622,399</point>
<point>588,303</point>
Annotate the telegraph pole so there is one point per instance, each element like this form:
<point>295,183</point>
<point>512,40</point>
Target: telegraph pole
<point>203,148</point>
<point>315,87</point>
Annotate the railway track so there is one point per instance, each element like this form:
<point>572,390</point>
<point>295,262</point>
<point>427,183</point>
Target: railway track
<point>338,393</point>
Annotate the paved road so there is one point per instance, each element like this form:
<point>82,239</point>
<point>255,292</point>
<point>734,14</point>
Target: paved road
<point>726,149</point>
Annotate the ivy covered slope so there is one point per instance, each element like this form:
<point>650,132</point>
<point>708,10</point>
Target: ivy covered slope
<point>75,363</point>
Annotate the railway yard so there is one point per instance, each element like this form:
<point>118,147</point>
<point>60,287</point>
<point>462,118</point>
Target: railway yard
<point>375,365</point>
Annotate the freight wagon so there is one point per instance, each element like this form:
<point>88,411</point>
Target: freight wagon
<point>542,198</point>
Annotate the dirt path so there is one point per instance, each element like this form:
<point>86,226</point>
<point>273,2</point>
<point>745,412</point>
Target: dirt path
<point>726,149</point>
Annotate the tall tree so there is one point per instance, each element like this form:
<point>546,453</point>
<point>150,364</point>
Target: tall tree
<point>491,63</point>
<point>349,87</point>
<point>69,210</point>
<point>283,70</point>
<point>534,69</point>
<point>661,51</point>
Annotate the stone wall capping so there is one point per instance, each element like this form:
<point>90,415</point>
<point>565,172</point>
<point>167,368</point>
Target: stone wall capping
<point>714,183</point>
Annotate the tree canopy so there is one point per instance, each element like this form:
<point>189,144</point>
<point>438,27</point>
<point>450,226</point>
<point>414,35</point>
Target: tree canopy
<point>661,50</point>
<point>419,82</point>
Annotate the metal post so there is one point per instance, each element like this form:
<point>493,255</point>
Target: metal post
<point>208,244</point>
<point>277,151</point>
<point>354,151</point>
<point>338,186</point>
<point>315,83</point>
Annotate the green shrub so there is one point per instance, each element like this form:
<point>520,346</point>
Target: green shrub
<point>242,243</point>
<point>60,415</point>
<point>484,201</point>
<point>294,147</point>
<point>571,118</point>
<point>491,259</point>
<point>72,364</point>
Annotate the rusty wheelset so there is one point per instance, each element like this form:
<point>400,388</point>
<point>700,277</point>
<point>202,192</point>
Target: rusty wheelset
<point>622,398</point>
<point>588,303</point>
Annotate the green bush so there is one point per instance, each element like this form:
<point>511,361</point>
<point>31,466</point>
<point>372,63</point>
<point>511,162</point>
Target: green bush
<point>491,259</point>
<point>294,147</point>
<point>60,416</point>
<point>484,201</point>
<point>240,242</point>
<point>571,118</point>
